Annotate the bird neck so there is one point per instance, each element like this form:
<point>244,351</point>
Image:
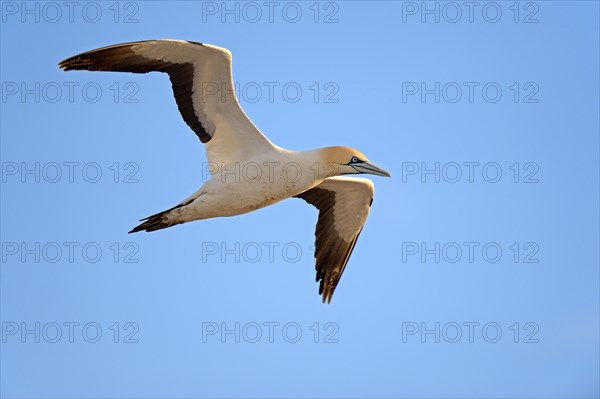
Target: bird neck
<point>316,162</point>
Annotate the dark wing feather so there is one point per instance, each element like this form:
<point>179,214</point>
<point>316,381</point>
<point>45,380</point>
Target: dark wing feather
<point>343,205</point>
<point>123,58</point>
<point>202,84</point>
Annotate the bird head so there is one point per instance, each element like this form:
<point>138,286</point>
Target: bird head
<point>340,160</point>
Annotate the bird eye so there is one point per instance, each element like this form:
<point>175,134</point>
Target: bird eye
<point>354,160</point>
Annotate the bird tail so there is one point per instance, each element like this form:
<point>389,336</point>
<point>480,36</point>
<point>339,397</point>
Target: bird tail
<point>161,220</point>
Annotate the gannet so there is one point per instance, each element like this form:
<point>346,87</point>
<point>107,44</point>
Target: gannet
<point>247,171</point>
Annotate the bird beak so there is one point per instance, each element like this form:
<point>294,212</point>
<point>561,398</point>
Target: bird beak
<point>370,169</point>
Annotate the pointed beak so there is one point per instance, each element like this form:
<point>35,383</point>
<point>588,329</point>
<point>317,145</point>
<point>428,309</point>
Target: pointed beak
<point>370,169</point>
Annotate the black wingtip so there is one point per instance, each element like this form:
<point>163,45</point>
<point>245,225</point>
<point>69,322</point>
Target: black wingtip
<point>326,292</point>
<point>63,64</point>
<point>72,64</point>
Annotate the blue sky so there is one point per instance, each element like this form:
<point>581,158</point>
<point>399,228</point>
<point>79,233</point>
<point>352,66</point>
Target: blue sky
<point>476,274</point>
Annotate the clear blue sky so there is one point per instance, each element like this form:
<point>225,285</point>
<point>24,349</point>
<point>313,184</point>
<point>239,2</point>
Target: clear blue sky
<point>476,274</point>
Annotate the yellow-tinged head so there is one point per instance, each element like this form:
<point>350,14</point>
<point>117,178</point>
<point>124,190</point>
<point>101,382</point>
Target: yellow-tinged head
<point>341,160</point>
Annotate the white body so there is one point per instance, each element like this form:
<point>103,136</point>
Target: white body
<point>240,187</point>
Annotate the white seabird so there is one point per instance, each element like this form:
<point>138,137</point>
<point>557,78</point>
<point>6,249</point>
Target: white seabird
<point>248,171</point>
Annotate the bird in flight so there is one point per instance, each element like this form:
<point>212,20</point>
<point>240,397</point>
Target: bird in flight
<point>248,171</point>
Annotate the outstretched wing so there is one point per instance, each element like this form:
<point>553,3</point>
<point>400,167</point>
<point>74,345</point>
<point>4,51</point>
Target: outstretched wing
<point>202,84</point>
<point>343,204</point>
